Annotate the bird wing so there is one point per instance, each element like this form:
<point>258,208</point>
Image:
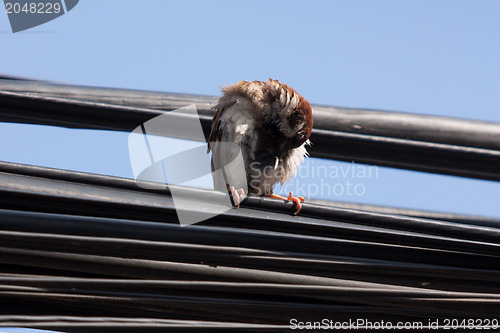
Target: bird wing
<point>227,168</point>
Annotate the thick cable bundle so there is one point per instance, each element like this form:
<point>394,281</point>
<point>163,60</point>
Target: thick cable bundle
<point>82,252</point>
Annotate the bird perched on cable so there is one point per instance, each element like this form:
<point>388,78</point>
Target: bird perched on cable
<point>269,123</point>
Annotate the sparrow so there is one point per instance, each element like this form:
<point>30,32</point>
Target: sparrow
<point>269,124</point>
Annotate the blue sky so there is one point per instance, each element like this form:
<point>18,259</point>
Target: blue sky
<point>426,57</point>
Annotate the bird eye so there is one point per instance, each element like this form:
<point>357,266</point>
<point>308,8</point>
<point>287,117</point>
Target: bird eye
<point>298,139</point>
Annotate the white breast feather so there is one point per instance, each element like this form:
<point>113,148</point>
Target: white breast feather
<point>294,161</point>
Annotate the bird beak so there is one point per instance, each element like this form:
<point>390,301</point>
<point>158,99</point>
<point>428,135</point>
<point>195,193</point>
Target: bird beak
<point>276,162</point>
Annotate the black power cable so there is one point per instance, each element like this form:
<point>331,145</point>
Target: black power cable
<point>442,145</point>
<point>82,252</point>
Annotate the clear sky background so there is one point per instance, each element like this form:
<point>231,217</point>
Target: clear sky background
<point>425,57</point>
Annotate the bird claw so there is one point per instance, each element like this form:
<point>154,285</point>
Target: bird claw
<point>237,196</point>
<point>297,200</point>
